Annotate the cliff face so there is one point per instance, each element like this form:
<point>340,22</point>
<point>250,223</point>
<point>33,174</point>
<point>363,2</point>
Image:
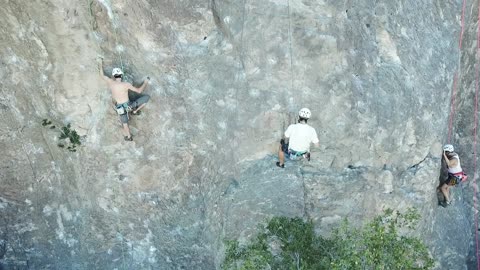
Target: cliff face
<point>227,79</point>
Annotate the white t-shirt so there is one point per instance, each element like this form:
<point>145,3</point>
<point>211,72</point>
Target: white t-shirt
<point>300,136</point>
<point>457,168</point>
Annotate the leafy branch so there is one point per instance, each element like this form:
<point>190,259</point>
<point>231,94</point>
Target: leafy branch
<point>68,136</point>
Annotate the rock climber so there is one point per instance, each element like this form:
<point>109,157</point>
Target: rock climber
<point>297,139</point>
<point>455,172</point>
<point>128,98</point>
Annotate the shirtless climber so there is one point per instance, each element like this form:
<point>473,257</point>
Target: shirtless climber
<point>297,139</point>
<point>128,98</point>
<point>455,172</point>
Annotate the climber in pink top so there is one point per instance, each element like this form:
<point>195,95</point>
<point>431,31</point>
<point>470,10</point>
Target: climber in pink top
<point>455,172</point>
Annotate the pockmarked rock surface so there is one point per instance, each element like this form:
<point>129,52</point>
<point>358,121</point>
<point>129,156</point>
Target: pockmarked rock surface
<point>227,79</point>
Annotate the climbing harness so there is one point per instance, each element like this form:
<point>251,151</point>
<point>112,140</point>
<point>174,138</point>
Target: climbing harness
<point>123,108</point>
<point>292,154</point>
<point>456,178</point>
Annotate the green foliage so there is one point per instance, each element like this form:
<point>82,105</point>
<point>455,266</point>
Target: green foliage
<point>378,245</point>
<point>255,256</point>
<point>46,122</point>
<point>68,136</point>
<point>291,243</point>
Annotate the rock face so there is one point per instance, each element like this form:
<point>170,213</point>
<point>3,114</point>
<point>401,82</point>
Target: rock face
<point>227,79</point>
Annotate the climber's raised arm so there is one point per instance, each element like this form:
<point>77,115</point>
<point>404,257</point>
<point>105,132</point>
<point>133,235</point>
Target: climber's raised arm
<point>100,69</point>
<point>141,88</point>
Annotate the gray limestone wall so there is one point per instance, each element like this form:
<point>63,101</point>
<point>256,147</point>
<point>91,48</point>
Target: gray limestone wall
<point>227,79</point>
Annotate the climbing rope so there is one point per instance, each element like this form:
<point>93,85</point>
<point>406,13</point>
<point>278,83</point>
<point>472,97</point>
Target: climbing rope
<point>291,116</point>
<point>452,106</point>
<point>119,235</point>
<point>235,156</point>
<point>119,52</point>
<point>291,100</point>
<point>115,30</point>
<point>475,140</point>
<point>452,113</point>
<point>290,45</point>
<point>462,24</point>
<point>475,162</point>
<point>456,75</point>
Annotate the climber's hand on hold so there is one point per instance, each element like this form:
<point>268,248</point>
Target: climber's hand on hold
<point>100,68</point>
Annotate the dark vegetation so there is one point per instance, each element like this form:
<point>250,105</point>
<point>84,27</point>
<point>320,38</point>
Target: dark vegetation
<point>68,137</point>
<point>291,243</point>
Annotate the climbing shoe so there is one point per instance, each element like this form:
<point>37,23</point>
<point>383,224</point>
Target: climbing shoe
<point>445,203</point>
<point>281,166</point>
<point>126,138</point>
<point>136,112</point>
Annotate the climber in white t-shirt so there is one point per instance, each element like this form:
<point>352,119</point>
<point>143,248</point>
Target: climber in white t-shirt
<point>298,138</point>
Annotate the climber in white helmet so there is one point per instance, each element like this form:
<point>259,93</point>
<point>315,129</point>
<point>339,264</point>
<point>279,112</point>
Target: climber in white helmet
<point>129,100</point>
<point>297,140</point>
<point>455,172</point>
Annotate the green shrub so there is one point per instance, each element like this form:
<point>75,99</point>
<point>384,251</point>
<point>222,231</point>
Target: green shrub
<point>291,243</point>
<point>68,136</point>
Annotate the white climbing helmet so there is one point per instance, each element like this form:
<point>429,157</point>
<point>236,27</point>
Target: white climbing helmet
<point>448,148</point>
<point>116,72</point>
<point>305,113</point>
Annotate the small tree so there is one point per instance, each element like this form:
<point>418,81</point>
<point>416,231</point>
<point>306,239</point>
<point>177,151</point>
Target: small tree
<point>378,245</point>
<point>290,243</point>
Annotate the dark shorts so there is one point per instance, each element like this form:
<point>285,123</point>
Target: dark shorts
<point>124,118</point>
<point>135,100</point>
<point>284,146</point>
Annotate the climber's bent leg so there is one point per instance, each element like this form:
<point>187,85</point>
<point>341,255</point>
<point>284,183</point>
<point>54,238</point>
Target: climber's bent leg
<point>139,102</point>
<point>281,153</point>
<point>444,188</point>
<point>126,128</point>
